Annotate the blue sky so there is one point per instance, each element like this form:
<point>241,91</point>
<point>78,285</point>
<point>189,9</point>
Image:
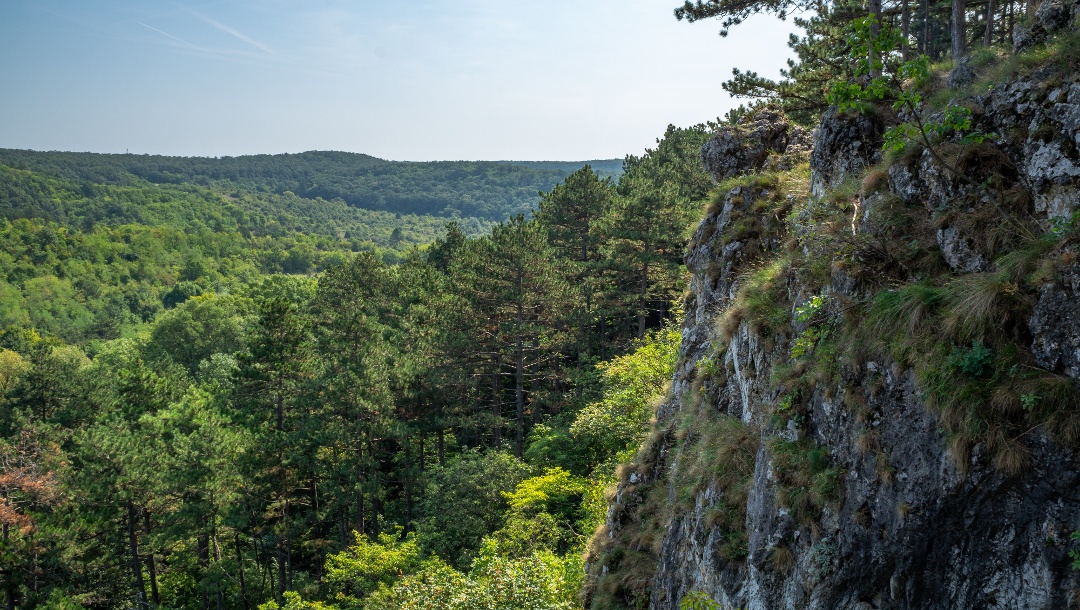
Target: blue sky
<point>408,80</point>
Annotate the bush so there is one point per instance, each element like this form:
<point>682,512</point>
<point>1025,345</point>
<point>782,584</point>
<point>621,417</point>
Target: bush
<point>465,501</point>
<point>632,383</point>
<point>544,514</point>
<point>358,571</point>
<point>540,581</point>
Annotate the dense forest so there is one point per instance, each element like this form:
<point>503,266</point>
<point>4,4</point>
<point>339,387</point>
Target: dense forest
<point>330,381</point>
<point>217,394</point>
<point>491,190</point>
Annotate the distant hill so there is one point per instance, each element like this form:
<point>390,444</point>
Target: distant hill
<point>491,190</point>
<point>605,168</point>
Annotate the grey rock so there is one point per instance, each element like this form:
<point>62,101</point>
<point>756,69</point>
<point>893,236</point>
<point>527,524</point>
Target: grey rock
<point>750,144</point>
<point>913,529</point>
<point>844,144</point>
<point>961,76</point>
<point>1055,325</point>
<point>958,252</point>
<point>1052,16</point>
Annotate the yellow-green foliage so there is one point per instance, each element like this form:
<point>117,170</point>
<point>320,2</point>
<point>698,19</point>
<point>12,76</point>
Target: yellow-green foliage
<point>696,600</point>
<point>12,365</point>
<point>543,581</point>
<point>358,570</point>
<point>545,492</point>
<point>632,383</point>
<point>437,586</point>
<point>544,514</point>
<point>293,601</point>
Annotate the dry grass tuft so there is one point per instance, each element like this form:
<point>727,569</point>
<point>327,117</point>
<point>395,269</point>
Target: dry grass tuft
<point>761,301</point>
<point>1012,457</point>
<point>868,441</point>
<point>781,558</point>
<point>876,179</point>
<point>903,509</point>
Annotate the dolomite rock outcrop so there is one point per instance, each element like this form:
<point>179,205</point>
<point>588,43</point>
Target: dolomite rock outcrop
<point>761,140</point>
<point>915,528</point>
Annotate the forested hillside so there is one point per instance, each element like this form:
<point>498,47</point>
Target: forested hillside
<point>218,395</point>
<point>85,260</point>
<point>492,190</point>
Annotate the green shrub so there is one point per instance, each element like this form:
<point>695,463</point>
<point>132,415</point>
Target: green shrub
<point>974,361</point>
<point>464,502</point>
<point>806,478</point>
<point>359,570</point>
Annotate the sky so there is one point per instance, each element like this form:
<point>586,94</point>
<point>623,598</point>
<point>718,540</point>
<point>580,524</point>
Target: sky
<point>413,80</point>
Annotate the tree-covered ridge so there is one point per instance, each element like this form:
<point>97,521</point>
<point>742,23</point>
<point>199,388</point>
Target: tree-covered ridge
<point>493,190</point>
<point>84,261</point>
<point>81,204</point>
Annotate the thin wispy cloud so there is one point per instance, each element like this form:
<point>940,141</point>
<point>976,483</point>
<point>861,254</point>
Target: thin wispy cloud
<point>216,53</point>
<point>489,62</point>
<point>180,40</point>
<point>232,32</point>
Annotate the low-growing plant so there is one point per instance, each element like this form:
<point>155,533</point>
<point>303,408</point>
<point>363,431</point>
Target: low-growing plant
<point>718,454</point>
<point>1074,554</point>
<point>806,478</point>
<point>760,301</point>
<point>696,600</point>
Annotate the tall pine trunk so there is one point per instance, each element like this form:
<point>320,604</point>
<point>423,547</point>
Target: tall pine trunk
<point>519,385</point>
<point>155,595</point>
<point>203,544</point>
<point>928,46</point>
<point>240,571</point>
<point>373,490</point>
<point>875,28</point>
<point>959,30</point>
<point>408,484</point>
<point>420,458</point>
<point>282,572</point>
<point>136,565</point>
<point>9,572</point>
<point>534,393</point>
<point>643,292</point>
<point>496,408</point>
<point>905,29</point>
<point>360,515</point>
<point>440,435</point>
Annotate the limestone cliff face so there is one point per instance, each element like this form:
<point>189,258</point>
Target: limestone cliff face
<point>860,489</point>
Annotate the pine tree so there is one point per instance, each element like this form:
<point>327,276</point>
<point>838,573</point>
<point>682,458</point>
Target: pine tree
<point>270,400</point>
<point>354,383</point>
<point>572,214</point>
<point>659,193</point>
<point>518,292</point>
